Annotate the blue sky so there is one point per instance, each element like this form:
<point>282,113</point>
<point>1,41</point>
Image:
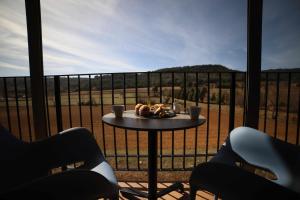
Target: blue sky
<point>140,35</point>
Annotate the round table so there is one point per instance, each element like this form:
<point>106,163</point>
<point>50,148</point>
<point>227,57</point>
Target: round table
<point>133,122</point>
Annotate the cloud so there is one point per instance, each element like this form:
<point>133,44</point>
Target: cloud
<point>12,66</point>
<point>280,41</point>
<point>90,42</point>
<point>13,39</point>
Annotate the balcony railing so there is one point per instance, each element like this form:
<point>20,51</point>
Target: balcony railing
<point>82,99</point>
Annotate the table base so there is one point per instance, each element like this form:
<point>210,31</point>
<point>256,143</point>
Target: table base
<point>131,193</point>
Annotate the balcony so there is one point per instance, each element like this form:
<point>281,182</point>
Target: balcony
<point>82,99</point>
<point>228,99</point>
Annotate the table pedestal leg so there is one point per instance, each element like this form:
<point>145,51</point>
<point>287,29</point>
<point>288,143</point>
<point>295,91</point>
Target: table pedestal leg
<point>152,175</point>
<point>152,164</point>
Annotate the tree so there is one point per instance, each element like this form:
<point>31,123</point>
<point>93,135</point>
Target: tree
<point>224,98</point>
<point>155,91</point>
<point>213,97</point>
<point>191,94</point>
<point>202,94</point>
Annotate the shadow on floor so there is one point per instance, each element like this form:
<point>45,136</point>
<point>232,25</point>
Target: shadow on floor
<point>201,195</point>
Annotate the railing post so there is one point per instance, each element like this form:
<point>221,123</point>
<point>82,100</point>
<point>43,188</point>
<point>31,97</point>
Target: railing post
<point>35,52</point>
<point>58,103</point>
<point>7,104</point>
<point>253,62</point>
<point>232,102</point>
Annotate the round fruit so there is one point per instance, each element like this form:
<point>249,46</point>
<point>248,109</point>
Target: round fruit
<point>137,108</point>
<point>144,110</point>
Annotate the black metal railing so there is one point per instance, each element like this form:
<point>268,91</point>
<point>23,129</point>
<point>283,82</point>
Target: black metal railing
<point>82,99</point>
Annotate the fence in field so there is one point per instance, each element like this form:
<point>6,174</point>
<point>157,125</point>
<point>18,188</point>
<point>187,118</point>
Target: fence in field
<point>82,99</point>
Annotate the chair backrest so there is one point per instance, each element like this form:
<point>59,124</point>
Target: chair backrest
<point>11,149</point>
<point>10,146</point>
<point>261,150</point>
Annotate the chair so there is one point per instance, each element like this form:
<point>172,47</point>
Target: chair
<point>227,174</point>
<point>25,167</point>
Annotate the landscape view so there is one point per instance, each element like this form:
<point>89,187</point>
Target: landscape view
<point>85,98</point>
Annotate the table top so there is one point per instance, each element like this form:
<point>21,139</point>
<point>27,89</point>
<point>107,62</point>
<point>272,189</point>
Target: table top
<point>131,121</point>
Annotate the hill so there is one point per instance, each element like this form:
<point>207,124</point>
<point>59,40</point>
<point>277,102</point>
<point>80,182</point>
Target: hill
<point>283,70</point>
<point>219,68</point>
<point>197,68</point>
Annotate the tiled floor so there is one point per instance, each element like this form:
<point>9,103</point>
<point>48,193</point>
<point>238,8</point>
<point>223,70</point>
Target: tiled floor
<point>201,195</point>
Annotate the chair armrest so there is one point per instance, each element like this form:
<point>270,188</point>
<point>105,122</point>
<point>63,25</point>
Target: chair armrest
<point>232,182</point>
<point>75,184</point>
<point>106,170</point>
<point>70,146</point>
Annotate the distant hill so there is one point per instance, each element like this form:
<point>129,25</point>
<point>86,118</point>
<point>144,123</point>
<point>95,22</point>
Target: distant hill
<point>283,70</point>
<point>197,68</point>
<point>218,68</point>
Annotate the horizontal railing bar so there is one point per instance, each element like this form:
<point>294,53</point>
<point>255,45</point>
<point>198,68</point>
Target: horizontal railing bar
<point>160,170</point>
<point>165,155</point>
<point>152,72</point>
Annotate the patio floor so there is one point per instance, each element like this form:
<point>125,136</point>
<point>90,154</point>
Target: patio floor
<point>201,195</point>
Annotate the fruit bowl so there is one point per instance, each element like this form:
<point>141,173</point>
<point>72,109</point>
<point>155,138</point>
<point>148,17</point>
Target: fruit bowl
<point>164,114</point>
<point>157,111</point>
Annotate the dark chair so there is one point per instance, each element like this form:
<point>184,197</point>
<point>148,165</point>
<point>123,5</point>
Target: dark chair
<point>25,168</point>
<point>227,174</point>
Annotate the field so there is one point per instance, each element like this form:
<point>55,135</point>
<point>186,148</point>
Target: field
<point>210,136</point>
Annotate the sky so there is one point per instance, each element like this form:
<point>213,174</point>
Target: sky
<point>96,36</point>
